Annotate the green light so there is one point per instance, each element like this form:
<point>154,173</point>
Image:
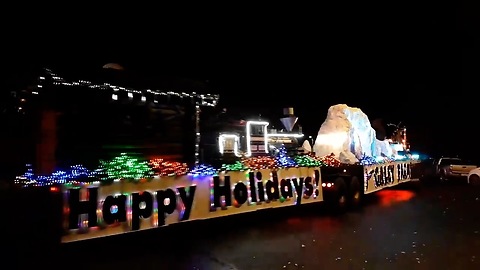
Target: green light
<point>126,168</point>
<point>307,161</point>
<point>237,166</point>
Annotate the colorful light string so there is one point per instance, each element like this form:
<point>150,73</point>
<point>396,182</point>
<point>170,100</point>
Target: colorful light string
<point>235,167</point>
<point>307,161</point>
<point>162,167</point>
<point>367,160</point>
<point>74,174</point>
<point>259,163</point>
<point>283,160</point>
<point>202,170</point>
<point>127,168</point>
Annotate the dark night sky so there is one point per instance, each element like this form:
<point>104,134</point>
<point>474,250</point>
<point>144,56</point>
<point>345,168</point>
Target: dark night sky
<point>417,64</point>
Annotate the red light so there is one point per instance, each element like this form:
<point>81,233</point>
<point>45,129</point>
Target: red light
<point>390,197</point>
<point>54,189</point>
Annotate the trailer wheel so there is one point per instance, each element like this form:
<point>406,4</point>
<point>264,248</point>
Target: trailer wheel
<point>355,194</point>
<point>474,180</point>
<point>443,176</point>
<point>340,198</point>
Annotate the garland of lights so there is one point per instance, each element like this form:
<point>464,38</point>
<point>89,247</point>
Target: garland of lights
<point>307,161</point>
<point>202,170</point>
<point>366,160</point>
<point>168,168</point>
<point>259,163</point>
<point>210,100</point>
<point>283,160</point>
<point>331,160</point>
<point>124,167</point>
<point>76,173</point>
<point>237,166</point>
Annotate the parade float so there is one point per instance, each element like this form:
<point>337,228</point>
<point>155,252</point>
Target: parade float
<point>185,169</point>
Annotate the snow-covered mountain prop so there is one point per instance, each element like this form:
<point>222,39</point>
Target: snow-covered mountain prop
<point>348,134</point>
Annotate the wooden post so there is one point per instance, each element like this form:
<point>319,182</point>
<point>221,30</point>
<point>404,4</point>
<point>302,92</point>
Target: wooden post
<point>47,143</point>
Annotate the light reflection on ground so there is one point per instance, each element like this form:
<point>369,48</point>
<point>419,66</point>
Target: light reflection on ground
<point>388,198</point>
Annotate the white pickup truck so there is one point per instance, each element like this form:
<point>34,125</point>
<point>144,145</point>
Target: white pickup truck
<point>447,168</point>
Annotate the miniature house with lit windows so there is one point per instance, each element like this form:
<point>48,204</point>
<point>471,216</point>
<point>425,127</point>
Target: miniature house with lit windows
<point>257,139</point>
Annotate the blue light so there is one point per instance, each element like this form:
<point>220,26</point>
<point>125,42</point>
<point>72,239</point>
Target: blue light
<point>202,170</point>
<point>76,172</point>
<point>367,160</point>
<point>284,160</point>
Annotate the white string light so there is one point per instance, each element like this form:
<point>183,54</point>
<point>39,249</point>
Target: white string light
<point>209,100</point>
<point>223,138</point>
<point>266,138</point>
<point>249,136</point>
<point>286,135</point>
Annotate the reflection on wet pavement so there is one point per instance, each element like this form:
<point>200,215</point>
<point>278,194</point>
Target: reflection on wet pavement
<point>390,197</point>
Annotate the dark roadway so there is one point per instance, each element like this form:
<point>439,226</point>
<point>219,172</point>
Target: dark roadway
<point>415,227</point>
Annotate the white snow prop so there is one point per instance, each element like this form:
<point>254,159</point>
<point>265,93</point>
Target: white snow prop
<point>306,146</point>
<point>348,134</point>
<point>347,158</point>
<point>384,148</point>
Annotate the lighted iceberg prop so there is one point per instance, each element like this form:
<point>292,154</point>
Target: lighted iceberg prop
<point>384,148</point>
<point>348,134</point>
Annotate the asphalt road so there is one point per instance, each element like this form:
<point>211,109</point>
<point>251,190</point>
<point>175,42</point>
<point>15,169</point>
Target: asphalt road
<point>415,227</point>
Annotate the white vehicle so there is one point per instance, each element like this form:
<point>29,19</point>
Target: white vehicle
<point>450,167</point>
<point>474,176</point>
